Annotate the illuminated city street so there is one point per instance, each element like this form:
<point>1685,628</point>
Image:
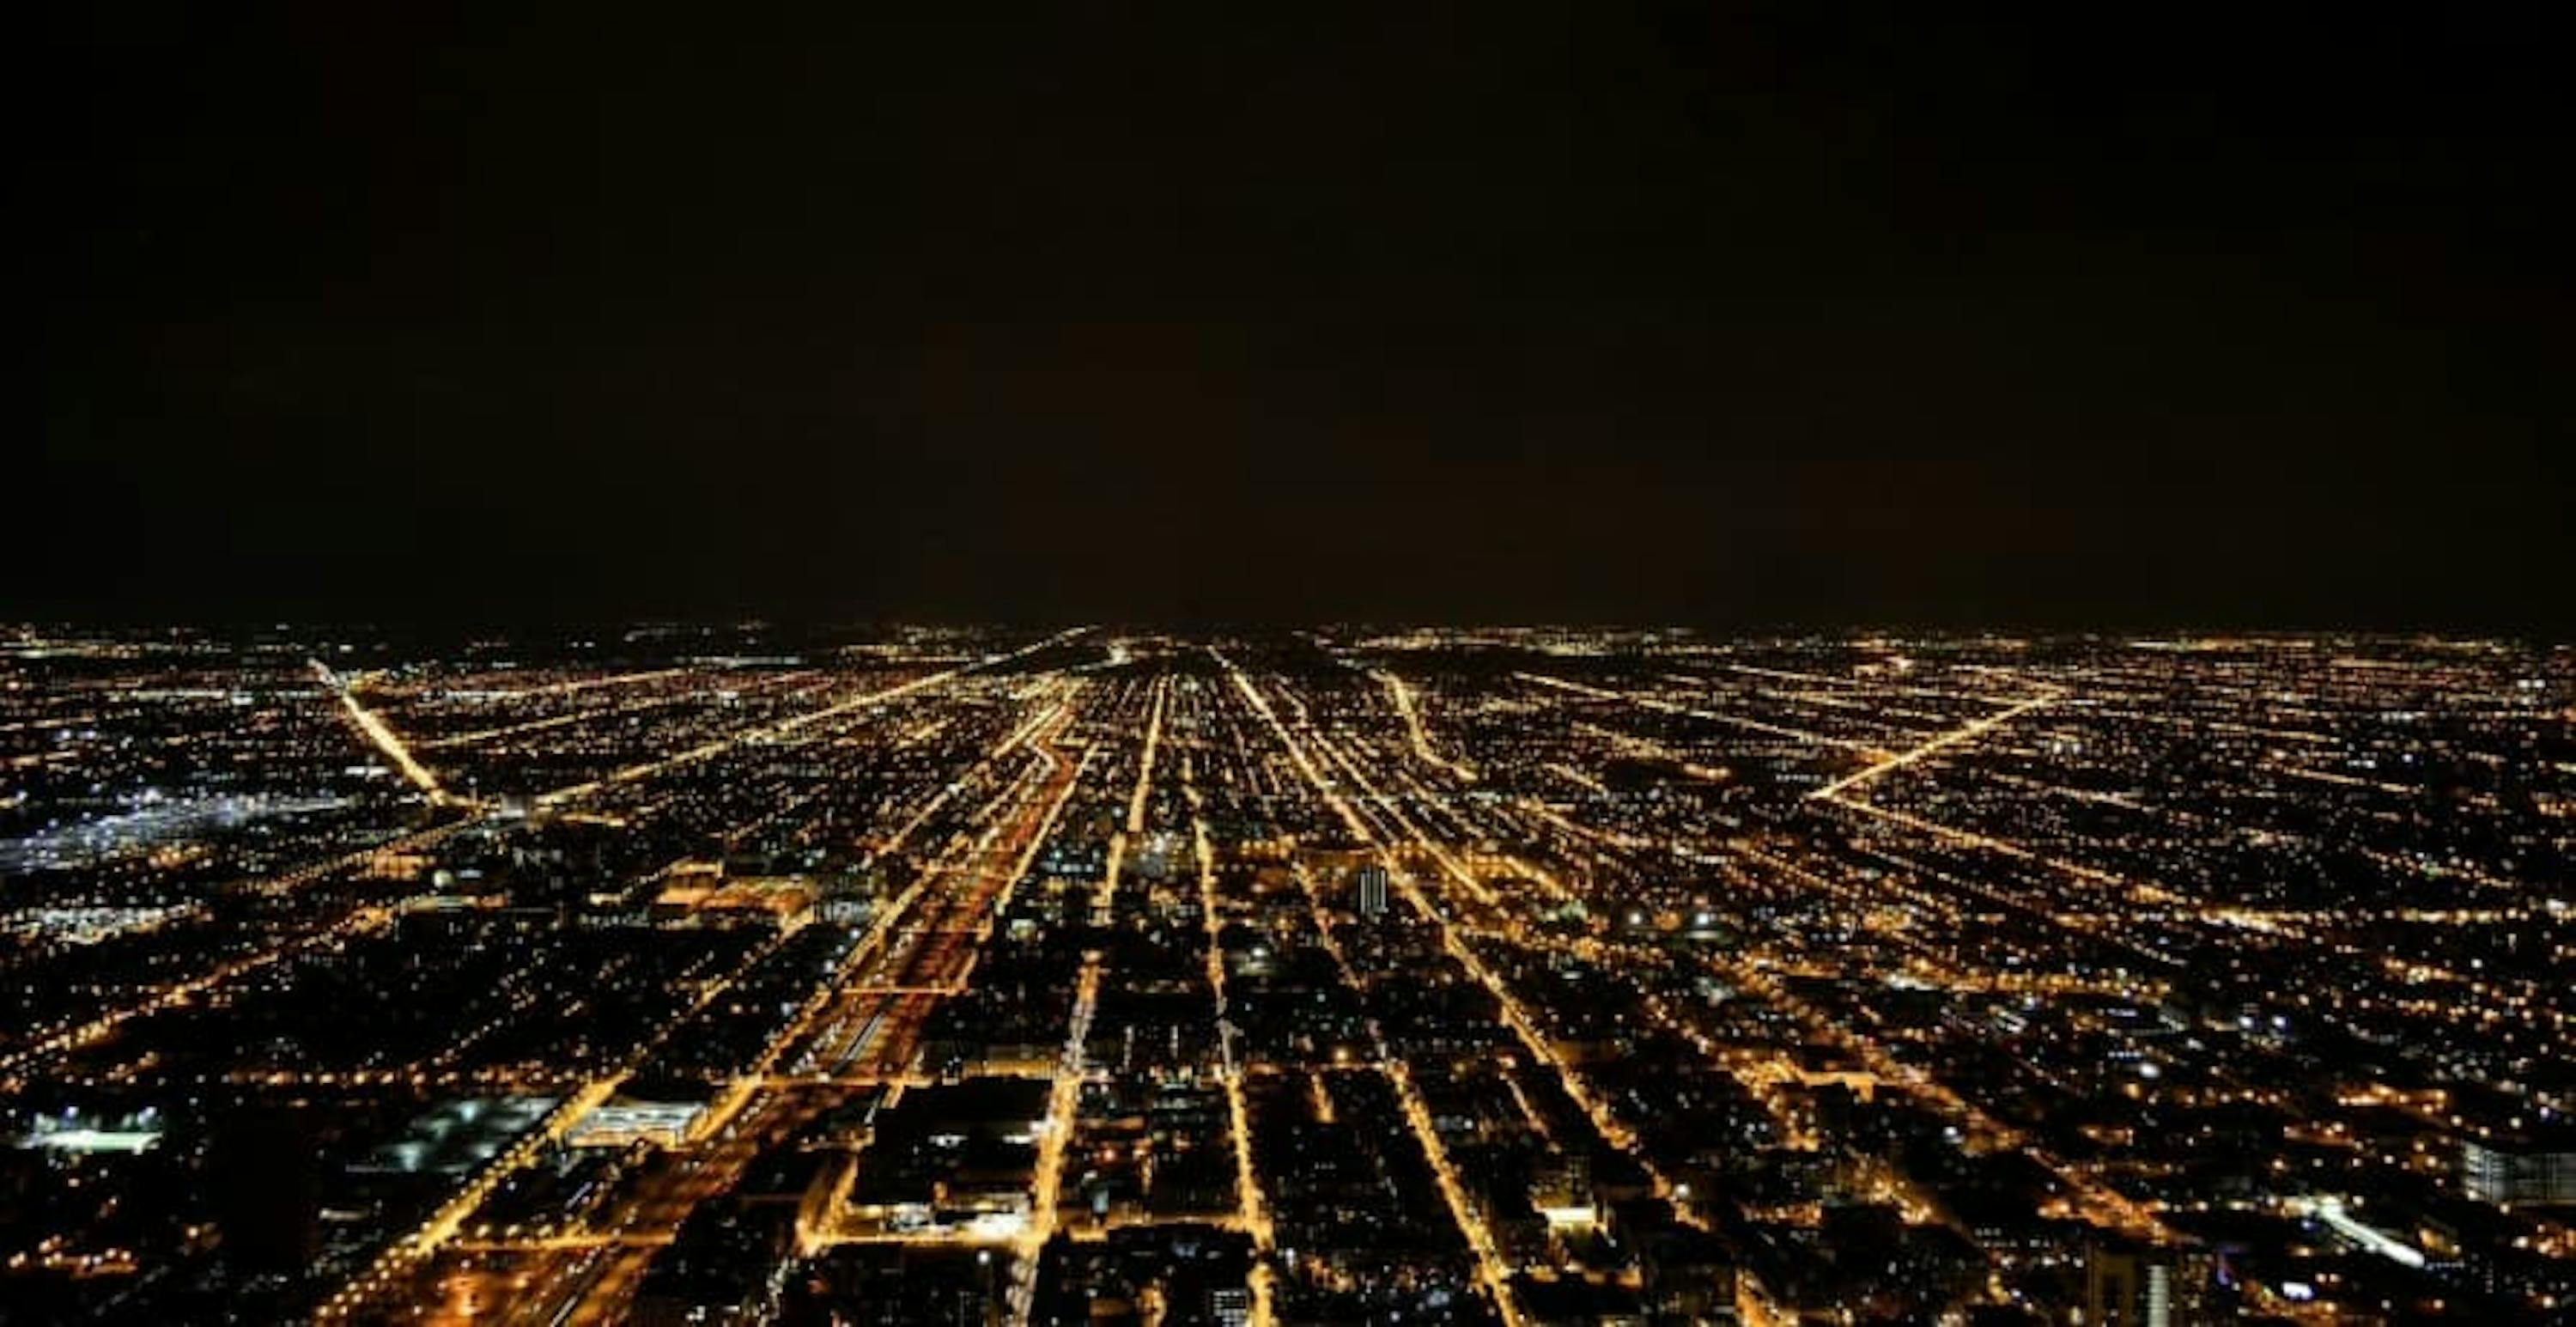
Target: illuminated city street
<point>1507,976</point>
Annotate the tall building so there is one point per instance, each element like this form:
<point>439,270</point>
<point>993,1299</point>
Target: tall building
<point>2526,1172</point>
<point>1561,1188</point>
<point>1370,883</point>
<point>1229,1306</point>
<point>2132,1287</point>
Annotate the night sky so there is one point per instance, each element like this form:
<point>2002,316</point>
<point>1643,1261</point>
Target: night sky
<point>1731,314</point>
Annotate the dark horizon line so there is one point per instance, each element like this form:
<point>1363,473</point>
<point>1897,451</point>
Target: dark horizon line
<point>1265,625</point>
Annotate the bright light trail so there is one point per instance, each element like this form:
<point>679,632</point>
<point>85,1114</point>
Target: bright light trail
<point>379,733</point>
<point>1965,733</point>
